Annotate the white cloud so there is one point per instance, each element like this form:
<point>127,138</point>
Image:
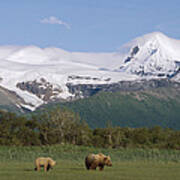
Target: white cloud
<point>55,20</point>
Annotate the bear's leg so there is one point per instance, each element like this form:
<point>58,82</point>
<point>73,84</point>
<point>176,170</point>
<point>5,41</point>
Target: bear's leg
<point>87,165</point>
<point>101,167</point>
<point>45,167</point>
<point>48,167</point>
<point>38,168</point>
<point>35,168</point>
<point>93,166</point>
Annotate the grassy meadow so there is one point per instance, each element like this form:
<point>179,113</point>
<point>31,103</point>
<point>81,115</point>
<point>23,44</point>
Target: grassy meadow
<point>17,163</point>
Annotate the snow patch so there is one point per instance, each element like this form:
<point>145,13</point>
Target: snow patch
<point>150,56</point>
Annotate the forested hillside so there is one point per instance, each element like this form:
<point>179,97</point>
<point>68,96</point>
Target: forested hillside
<point>130,109</point>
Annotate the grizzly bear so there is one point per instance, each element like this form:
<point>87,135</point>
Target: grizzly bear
<point>92,161</point>
<point>45,162</point>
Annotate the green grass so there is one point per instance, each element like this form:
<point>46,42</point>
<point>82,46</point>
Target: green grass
<point>17,163</point>
<point>67,170</point>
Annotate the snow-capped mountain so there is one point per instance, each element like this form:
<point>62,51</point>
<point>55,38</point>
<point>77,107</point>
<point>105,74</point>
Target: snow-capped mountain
<point>152,55</point>
<point>39,75</point>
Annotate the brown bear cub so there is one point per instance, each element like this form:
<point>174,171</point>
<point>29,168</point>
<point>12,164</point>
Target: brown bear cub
<point>92,161</point>
<point>45,162</point>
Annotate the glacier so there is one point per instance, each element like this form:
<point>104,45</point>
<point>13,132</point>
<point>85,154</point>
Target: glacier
<point>147,57</point>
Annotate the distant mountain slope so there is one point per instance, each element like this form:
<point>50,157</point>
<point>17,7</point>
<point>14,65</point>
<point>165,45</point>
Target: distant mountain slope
<point>44,75</point>
<point>147,108</point>
<point>9,101</point>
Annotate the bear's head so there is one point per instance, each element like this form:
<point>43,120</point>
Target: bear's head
<point>53,163</point>
<point>107,161</point>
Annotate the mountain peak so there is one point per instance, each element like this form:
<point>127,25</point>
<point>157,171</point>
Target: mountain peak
<point>150,38</point>
<point>153,54</point>
<point>155,34</point>
<point>154,37</point>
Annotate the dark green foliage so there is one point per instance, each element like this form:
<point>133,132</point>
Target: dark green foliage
<point>62,126</point>
<point>17,130</point>
<point>49,127</point>
<point>129,110</point>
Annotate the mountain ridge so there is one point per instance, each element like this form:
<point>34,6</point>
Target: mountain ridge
<point>22,69</point>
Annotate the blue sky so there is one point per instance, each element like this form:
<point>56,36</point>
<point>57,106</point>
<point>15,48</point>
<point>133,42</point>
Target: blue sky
<point>85,25</point>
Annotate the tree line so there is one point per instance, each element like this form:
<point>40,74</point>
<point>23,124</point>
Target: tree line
<point>62,126</point>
